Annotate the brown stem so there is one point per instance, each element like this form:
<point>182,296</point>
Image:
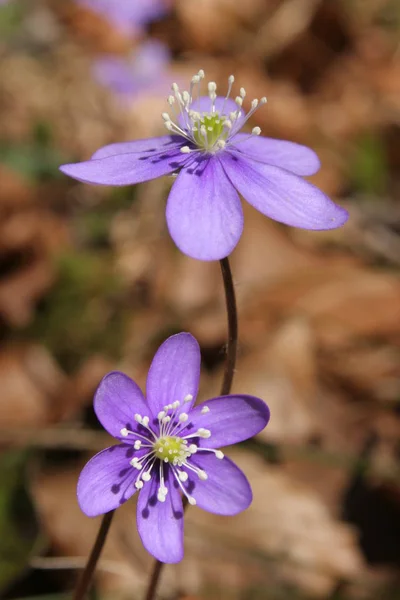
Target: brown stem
<point>231,351</point>
<point>86,578</point>
<point>231,310</point>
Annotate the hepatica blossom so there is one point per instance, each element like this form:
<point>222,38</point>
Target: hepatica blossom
<point>214,161</point>
<point>143,71</point>
<point>127,15</point>
<point>168,449</point>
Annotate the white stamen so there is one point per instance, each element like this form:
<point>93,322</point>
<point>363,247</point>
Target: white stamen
<point>192,448</point>
<point>146,476</point>
<point>256,130</point>
<point>124,432</point>
<point>242,93</point>
<point>183,417</point>
<point>219,454</point>
<point>185,150</point>
<point>203,433</point>
<point>192,500</point>
<point>205,410</point>
<point>139,484</point>
<point>138,418</point>
<point>202,475</point>
<point>137,444</point>
<point>161,415</point>
<point>239,101</point>
<point>183,476</point>
<point>188,398</point>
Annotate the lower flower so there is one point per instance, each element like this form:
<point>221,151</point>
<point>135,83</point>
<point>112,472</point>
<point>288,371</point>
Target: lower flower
<point>168,448</point>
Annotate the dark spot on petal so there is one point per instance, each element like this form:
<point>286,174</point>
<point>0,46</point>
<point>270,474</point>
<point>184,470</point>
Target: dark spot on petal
<point>130,452</point>
<point>178,514</point>
<point>123,472</point>
<point>115,489</point>
<point>145,513</point>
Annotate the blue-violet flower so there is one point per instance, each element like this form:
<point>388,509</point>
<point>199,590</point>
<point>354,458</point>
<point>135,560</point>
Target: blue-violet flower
<point>143,71</point>
<point>168,448</point>
<point>127,15</point>
<point>213,162</point>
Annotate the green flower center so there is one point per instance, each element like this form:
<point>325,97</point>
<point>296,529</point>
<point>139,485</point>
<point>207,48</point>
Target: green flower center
<point>171,449</point>
<point>209,129</point>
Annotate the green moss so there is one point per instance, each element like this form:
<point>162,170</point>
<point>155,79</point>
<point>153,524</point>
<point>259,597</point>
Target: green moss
<point>81,315</point>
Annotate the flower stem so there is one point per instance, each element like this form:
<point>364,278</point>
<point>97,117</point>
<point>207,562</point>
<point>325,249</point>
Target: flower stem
<point>87,575</point>
<point>231,351</point>
<point>231,310</point>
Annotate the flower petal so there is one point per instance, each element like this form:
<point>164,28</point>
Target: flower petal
<point>204,213</point>
<point>106,481</point>
<point>118,398</point>
<point>127,169</point>
<point>293,157</point>
<point>231,419</point>
<point>160,524</point>
<point>174,373</point>
<point>148,146</point>
<point>225,492</point>
<point>281,195</point>
<point>224,106</point>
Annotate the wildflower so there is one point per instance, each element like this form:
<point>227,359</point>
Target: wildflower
<point>168,448</point>
<point>141,72</point>
<point>214,161</point>
<point>127,15</point>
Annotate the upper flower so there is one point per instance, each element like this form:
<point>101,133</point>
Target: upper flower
<point>214,161</point>
<point>127,15</point>
<point>143,71</point>
<point>169,448</point>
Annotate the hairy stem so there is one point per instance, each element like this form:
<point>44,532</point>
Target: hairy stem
<point>87,575</point>
<point>231,351</point>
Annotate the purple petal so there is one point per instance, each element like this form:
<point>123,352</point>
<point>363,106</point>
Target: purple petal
<point>204,213</point>
<point>281,195</point>
<point>293,157</point>
<point>224,106</point>
<point>148,146</point>
<point>160,524</point>
<point>174,373</point>
<point>128,168</point>
<point>116,402</point>
<point>107,480</point>
<point>225,492</point>
<point>231,419</point>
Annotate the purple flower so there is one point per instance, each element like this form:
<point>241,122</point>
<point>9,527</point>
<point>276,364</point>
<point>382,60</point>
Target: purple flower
<point>127,15</point>
<point>143,71</point>
<point>168,448</point>
<point>214,161</point>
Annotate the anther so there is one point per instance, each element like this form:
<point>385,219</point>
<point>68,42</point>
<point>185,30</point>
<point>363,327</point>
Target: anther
<point>165,116</point>
<point>188,398</point>
<point>185,150</point>
<point>183,417</point>
<point>183,476</point>
<point>137,445</point>
<point>219,454</point>
<point>161,415</point>
<point>139,485</point>
<point>263,100</point>
<point>239,100</point>
<point>256,130</point>
<point>192,448</point>
<point>192,500</point>
<point>242,93</point>
<point>138,418</point>
<point>205,410</point>
<point>201,74</point>
<point>203,433</point>
<point>124,432</point>
<point>146,476</point>
<point>202,475</point>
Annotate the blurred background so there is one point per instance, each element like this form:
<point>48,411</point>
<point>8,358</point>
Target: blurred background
<point>90,281</point>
